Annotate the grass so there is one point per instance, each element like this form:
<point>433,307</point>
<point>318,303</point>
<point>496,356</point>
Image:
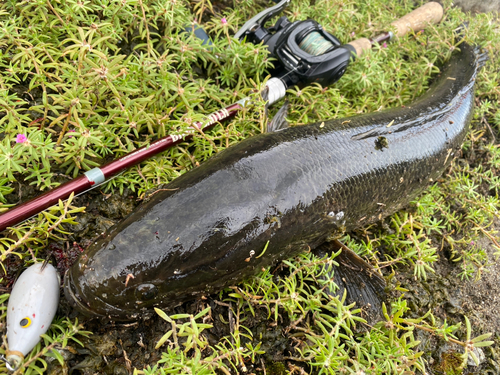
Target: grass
<point>86,81</point>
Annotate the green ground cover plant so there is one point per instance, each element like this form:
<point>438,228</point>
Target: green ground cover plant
<point>83,82</point>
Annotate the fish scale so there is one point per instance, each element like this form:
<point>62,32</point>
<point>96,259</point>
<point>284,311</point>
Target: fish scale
<point>292,189</point>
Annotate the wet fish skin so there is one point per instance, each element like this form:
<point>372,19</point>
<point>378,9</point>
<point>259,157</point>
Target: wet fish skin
<point>293,188</point>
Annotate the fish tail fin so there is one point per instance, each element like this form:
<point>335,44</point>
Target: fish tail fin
<point>358,279</point>
<point>482,57</point>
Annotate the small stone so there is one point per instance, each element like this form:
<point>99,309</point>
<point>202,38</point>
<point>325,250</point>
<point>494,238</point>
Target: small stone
<point>480,356</point>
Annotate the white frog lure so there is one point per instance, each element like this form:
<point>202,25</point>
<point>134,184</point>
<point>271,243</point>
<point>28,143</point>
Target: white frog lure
<point>31,308</point>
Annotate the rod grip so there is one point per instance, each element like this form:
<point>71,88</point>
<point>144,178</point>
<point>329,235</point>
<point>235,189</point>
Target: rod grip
<point>360,45</point>
<point>418,19</point>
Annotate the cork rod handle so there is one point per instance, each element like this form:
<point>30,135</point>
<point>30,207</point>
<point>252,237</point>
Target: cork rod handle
<point>360,45</point>
<point>416,20</point>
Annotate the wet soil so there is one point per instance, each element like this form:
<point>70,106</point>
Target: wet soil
<point>451,298</point>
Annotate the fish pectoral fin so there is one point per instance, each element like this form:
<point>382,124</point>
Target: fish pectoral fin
<point>279,120</point>
<point>358,278</point>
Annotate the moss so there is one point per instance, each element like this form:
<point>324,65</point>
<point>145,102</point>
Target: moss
<point>450,364</point>
<point>276,368</point>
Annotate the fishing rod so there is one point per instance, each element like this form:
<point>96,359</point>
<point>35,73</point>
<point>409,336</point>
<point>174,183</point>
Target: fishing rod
<point>305,54</point>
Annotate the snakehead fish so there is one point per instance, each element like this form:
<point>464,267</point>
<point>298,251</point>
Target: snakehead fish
<point>290,189</point>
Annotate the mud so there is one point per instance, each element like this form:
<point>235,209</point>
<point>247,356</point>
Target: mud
<point>451,298</point>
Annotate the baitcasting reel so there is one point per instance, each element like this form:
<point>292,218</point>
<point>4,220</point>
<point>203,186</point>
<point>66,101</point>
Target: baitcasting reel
<point>305,52</point>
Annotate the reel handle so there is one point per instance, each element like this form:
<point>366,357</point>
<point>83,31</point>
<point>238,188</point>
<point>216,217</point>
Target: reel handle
<point>415,21</point>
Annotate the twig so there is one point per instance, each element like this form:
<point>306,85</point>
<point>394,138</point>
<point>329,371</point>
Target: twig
<point>54,11</point>
<point>17,244</point>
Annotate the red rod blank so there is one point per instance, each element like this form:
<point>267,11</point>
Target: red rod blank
<point>81,184</point>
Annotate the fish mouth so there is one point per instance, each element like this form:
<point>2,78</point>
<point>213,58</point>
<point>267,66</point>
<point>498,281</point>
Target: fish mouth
<point>100,308</point>
<point>74,298</point>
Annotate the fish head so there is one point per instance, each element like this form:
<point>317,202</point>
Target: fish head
<point>109,299</point>
<point>159,256</point>
<point>31,308</point>
<point>112,280</point>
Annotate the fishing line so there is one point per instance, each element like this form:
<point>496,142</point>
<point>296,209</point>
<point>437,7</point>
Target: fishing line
<point>288,73</point>
<point>315,44</point>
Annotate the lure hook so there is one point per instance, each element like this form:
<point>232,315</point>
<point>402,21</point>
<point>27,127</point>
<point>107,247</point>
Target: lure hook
<point>7,363</point>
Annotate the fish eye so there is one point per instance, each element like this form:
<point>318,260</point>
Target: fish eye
<point>25,322</point>
<point>145,292</point>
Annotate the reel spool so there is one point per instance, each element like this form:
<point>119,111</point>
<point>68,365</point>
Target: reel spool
<point>314,44</point>
<point>305,53</point>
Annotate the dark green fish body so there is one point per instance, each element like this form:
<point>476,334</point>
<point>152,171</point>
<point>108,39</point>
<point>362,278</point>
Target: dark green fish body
<point>292,189</point>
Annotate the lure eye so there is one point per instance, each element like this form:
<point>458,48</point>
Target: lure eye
<point>25,322</point>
